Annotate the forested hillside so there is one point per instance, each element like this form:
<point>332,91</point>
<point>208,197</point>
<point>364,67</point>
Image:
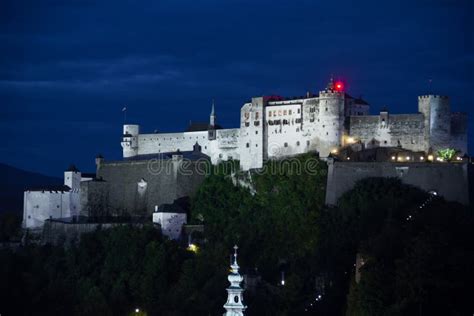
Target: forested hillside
<point>417,250</point>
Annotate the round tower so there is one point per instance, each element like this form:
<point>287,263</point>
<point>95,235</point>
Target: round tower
<point>331,119</point>
<point>437,117</point>
<point>130,140</point>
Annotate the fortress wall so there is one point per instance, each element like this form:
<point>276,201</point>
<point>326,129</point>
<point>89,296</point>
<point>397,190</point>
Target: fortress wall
<point>94,198</point>
<point>225,147</point>
<point>397,129</point>
<point>38,206</point>
<point>450,180</point>
<point>228,138</point>
<point>170,142</point>
<point>164,181</point>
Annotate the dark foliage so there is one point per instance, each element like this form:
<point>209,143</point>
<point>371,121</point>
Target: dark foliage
<point>417,248</point>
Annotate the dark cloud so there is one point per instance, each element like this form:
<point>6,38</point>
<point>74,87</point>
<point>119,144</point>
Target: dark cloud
<point>68,67</point>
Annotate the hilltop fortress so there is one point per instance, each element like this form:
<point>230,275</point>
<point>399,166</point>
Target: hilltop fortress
<point>276,127</point>
<point>333,124</point>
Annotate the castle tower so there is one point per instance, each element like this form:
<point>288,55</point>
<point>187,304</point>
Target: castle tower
<point>253,138</point>
<point>130,140</point>
<point>331,118</point>
<point>235,304</point>
<point>72,178</point>
<point>71,203</point>
<point>437,117</point>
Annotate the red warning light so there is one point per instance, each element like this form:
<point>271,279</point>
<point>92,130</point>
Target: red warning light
<point>339,86</point>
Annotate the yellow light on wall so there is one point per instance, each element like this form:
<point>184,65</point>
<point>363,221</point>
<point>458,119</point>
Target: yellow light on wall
<point>350,140</point>
<point>393,157</point>
<point>408,158</point>
<point>400,158</point>
<point>422,158</point>
<point>430,157</point>
<point>193,248</point>
<point>334,151</point>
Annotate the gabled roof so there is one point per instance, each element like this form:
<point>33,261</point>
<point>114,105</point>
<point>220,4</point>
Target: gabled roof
<point>200,126</point>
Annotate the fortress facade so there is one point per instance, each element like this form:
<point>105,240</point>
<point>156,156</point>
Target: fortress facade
<point>273,127</point>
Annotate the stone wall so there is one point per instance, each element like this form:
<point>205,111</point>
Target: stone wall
<point>136,187</point>
<point>449,180</point>
<point>39,206</point>
<point>389,130</point>
<point>94,198</point>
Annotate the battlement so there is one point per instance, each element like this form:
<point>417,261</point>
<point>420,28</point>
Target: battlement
<point>331,94</point>
<point>426,96</point>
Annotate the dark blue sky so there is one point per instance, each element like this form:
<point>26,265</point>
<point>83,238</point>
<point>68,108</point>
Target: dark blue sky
<point>68,67</point>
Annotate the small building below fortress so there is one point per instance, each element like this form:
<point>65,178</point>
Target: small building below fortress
<point>273,127</point>
<point>126,188</point>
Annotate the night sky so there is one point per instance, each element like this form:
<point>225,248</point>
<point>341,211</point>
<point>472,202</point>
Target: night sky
<point>67,68</point>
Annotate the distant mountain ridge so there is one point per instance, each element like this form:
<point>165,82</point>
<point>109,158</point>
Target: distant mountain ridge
<point>13,181</point>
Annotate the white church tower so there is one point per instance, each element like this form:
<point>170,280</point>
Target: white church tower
<point>235,304</point>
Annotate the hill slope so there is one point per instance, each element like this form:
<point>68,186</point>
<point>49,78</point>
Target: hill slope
<point>14,181</point>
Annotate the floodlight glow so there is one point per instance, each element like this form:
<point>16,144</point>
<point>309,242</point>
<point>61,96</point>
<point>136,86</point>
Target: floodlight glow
<point>193,248</point>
